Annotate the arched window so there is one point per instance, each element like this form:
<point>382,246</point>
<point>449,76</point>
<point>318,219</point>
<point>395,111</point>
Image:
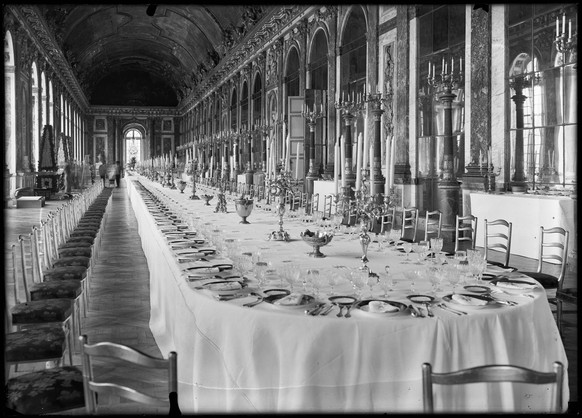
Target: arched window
<point>9,107</point>
<point>133,139</point>
<point>36,109</point>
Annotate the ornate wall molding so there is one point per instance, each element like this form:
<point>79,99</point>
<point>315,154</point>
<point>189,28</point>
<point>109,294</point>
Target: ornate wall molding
<point>39,34</point>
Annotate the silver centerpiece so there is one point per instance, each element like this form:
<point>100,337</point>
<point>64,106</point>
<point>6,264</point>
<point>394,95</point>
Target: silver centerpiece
<point>317,240</point>
<point>244,207</point>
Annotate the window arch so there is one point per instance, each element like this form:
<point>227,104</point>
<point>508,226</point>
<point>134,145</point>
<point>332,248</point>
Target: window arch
<point>133,139</point>
<point>9,106</point>
<point>36,107</point>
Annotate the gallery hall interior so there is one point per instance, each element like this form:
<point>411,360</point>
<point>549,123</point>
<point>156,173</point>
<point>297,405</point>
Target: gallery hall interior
<point>291,208</point>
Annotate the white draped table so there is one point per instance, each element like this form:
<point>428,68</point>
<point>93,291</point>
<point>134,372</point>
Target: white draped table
<point>233,359</point>
<point>527,213</point>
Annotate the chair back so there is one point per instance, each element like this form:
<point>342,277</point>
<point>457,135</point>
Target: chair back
<point>327,206</point>
<point>498,237</point>
<point>493,373</point>
<point>465,231</point>
<point>108,351</point>
<point>315,202</point>
<point>409,222</point>
<point>433,224</point>
<point>387,219</point>
<point>553,249</point>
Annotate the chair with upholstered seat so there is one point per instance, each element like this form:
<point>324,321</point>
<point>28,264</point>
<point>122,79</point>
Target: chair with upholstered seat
<point>109,354</point>
<point>493,373</point>
<point>43,344</point>
<point>553,250</point>
<point>498,238</point>
<point>433,224</point>
<point>34,313</point>
<point>409,223</point>
<point>465,232</point>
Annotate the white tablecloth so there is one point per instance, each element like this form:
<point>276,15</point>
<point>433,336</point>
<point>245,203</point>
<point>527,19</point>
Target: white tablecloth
<point>527,213</point>
<point>269,359</point>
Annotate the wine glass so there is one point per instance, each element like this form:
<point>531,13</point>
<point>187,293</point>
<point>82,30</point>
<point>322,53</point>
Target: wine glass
<point>293,275</point>
<point>453,276</point>
<point>407,247</point>
<point>411,276</point>
<point>436,244</point>
<point>317,281</point>
<point>371,282</point>
<point>434,278</point>
<point>260,273</point>
<point>395,235</point>
<point>359,281</point>
<point>333,280</point>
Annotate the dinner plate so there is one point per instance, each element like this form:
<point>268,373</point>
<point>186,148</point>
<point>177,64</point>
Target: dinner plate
<point>303,301</point>
<point>421,298</point>
<point>488,276</point>
<point>381,307</point>
<point>342,300</point>
<point>474,288</point>
<point>514,286</point>
<point>225,288</point>
<point>466,307</point>
<point>214,269</point>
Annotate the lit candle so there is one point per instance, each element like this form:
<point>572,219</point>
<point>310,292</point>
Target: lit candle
<point>443,66</point>
<point>564,24</point>
<point>569,29</point>
<point>452,65</point>
<point>557,27</point>
<point>460,65</point>
<point>429,69</point>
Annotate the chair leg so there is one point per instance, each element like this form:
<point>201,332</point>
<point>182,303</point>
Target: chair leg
<point>559,315</point>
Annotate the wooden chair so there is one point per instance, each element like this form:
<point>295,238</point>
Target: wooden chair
<point>498,238</point>
<point>388,218</point>
<point>433,224</point>
<point>409,223</point>
<point>109,352</point>
<point>327,206</point>
<point>465,231</point>
<point>564,295</point>
<point>46,312</point>
<point>43,344</point>
<point>553,249</point>
<point>315,202</point>
<point>493,373</point>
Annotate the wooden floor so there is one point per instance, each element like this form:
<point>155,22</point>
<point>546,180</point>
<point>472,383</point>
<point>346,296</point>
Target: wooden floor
<point>119,299</point>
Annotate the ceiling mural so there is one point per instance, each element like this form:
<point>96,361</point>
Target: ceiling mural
<point>138,54</point>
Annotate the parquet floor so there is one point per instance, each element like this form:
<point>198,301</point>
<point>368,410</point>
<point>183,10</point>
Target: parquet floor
<point>119,299</point>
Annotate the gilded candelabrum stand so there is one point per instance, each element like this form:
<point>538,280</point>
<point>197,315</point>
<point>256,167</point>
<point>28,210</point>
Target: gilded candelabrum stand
<point>279,189</point>
<point>193,173</point>
<point>221,204</point>
<point>448,190</point>
<point>311,117</point>
<point>375,101</point>
<point>350,109</point>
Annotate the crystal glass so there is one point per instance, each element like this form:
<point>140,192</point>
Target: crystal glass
<point>435,278</point>
<point>395,235</point>
<point>359,282</point>
<point>436,244</point>
<point>318,280</point>
<point>407,247</point>
<point>453,276</point>
<point>260,273</point>
<point>333,279</point>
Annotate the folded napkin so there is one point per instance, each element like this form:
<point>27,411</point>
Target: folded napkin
<point>496,270</point>
<point>468,300</point>
<point>515,285</point>
<point>377,306</point>
<point>293,299</point>
<point>218,287</point>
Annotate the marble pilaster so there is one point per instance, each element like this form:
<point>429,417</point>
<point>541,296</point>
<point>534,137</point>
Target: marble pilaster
<point>401,166</point>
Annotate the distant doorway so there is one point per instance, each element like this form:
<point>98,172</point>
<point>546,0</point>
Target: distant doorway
<point>133,139</point>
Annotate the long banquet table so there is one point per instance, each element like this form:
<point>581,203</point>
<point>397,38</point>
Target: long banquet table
<point>234,359</point>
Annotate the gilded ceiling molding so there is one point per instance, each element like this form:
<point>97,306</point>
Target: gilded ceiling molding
<point>38,32</point>
<point>124,111</point>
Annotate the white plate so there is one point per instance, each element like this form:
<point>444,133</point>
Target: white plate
<point>456,305</point>
<point>514,286</point>
<point>307,302</point>
<point>364,308</point>
<point>224,287</point>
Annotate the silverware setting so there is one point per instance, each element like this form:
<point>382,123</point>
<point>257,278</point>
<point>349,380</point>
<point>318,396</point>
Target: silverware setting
<point>326,310</point>
<point>449,309</point>
<point>428,309</point>
<point>315,310</point>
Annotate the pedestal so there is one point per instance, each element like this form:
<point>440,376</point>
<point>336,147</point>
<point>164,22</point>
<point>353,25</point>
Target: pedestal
<point>448,193</point>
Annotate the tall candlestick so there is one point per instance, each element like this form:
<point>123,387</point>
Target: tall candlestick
<point>569,29</point>
<point>557,27</point>
<point>387,168</point>
<point>366,149</point>
<point>343,160</point>
<point>564,24</point>
<point>297,162</point>
<point>359,162</point>
<point>336,168</point>
<point>371,169</point>
<point>452,65</point>
<point>392,160</point>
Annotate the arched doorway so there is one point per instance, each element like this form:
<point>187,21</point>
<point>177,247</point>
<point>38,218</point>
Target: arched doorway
<point>133,136</point>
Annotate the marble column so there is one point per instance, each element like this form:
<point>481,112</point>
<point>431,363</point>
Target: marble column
<point>348,168</point>
<point>312,174</point>
<point>518,183</point>
<point>401,163</point>
<point>376,165</point>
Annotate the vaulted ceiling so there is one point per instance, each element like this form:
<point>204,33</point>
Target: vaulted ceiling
<point>146,55</point>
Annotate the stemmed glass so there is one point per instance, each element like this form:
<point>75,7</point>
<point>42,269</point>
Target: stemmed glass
<point>435,278</point>
<point>407,247</point>
<point>387,282</point>
<point>372,281</point>
<point>333,280</point>
<point>260,273</point>
<point>317,281</point>
<point>395,235</point>
<point>453,277</point>
<point>293,272</point>
<point>359,281</point>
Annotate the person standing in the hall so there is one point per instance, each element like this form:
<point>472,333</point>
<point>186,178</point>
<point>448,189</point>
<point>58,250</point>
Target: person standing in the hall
<point>103,172</point>
<point>117,173</point>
